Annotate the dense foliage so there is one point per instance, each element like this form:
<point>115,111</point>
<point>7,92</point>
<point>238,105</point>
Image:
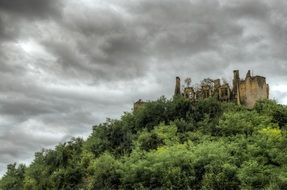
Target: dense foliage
<point>168,144</point>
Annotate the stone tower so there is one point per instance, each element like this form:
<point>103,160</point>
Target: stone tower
<point>236,83</point>
<point>177,87</point>
<point>253,88</point>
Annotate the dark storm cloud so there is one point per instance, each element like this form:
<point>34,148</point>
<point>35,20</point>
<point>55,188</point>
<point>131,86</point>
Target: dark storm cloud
<point>31,8</point>
<point>103,41</point>
<point>248,9</point>
<point>121,43</point>
<point>14,14</point>
<point>3,33</point>
<point>121,39</point>
<point>68,64</point>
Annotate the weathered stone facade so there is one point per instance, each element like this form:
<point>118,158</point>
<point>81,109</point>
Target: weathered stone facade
<point>244,91</point>
<point>251,89</point>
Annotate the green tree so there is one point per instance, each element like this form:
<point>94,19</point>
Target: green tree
<point>13,179</point>
<point>276,111</point>
<point>253,175</point>
<point>107,173</point>
<point>112,136</point>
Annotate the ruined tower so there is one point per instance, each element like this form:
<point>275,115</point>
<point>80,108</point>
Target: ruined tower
<point>177,87</point>
<point>138,104</point>
<point>235,89</point>
<point>253,88</point>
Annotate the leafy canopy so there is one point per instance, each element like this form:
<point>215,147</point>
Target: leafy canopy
<point>168,144</point>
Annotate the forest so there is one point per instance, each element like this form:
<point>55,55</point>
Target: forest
<point>168,144</point>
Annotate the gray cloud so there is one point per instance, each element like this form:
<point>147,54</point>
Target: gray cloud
<point>66,65</point>
<point>31,8</point>
<point>16,15</point>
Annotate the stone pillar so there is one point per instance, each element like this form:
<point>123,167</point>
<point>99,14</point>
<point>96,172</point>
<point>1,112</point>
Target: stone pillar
<point>235,89</point>
<point>177,87</point>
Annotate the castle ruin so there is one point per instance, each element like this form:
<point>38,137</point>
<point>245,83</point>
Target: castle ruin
<point>244,91</point>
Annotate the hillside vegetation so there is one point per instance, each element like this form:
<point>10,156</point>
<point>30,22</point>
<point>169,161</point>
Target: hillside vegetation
<point>168,144</point>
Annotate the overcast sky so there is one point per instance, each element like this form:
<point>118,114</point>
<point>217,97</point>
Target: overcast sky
<point>66,65</point>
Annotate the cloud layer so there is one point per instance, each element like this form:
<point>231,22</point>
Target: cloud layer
<point>69,64</point>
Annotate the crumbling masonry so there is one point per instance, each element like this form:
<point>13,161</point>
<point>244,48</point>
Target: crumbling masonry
<point>244,91</point>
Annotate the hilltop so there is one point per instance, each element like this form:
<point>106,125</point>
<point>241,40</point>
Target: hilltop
<point>168,144</point>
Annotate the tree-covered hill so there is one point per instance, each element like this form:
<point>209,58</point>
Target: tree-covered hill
<point>168,144</point>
